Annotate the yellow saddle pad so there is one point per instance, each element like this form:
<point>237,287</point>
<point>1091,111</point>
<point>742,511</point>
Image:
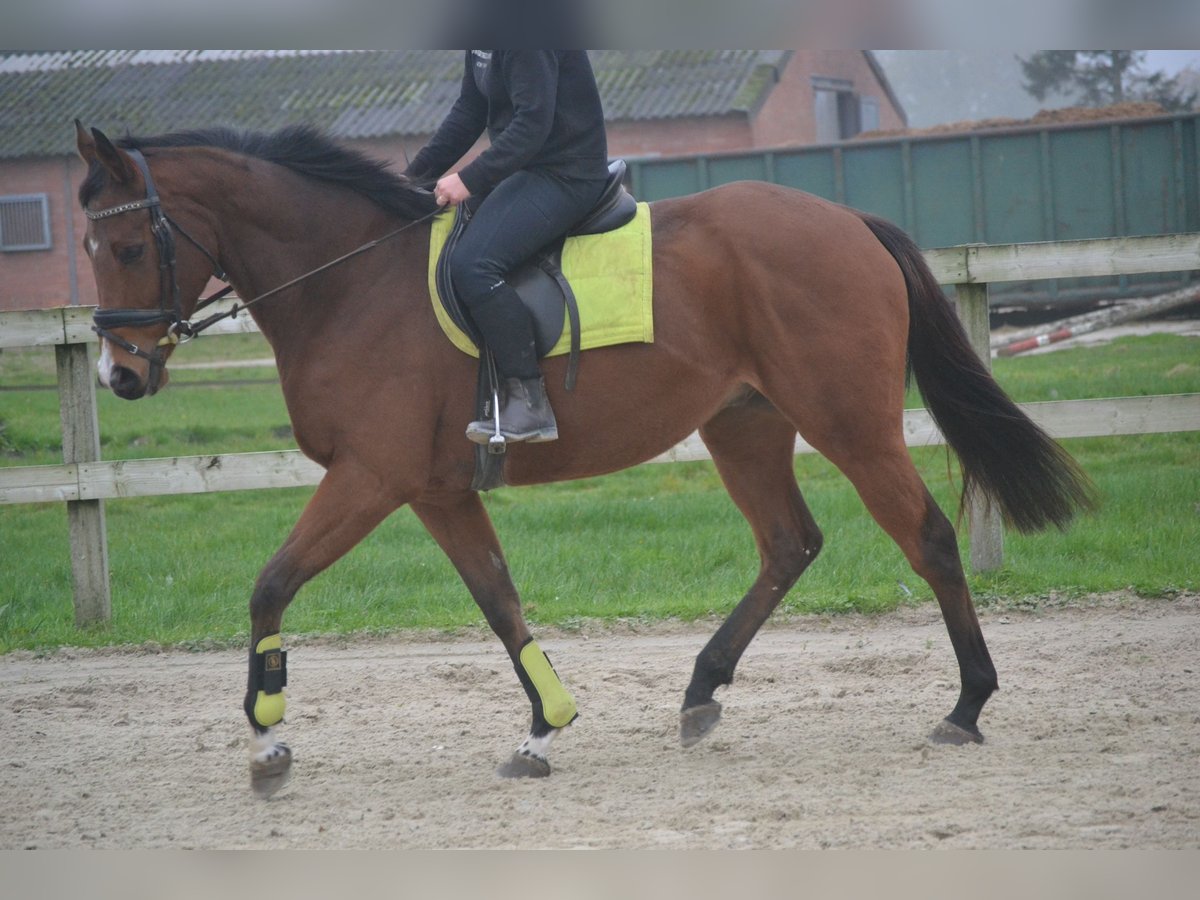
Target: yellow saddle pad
<point>610,274</point>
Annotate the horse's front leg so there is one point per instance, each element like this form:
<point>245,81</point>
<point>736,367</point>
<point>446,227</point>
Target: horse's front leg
<point>461,526</point>
<point>347,505</point>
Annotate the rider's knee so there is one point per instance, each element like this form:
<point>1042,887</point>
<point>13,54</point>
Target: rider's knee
<point>473,275</point>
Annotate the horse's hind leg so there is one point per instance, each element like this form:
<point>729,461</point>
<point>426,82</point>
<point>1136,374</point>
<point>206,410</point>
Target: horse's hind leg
<point>460,525</point>
<point>889,485</point>
<point>752,447</point>
<point>345,508</point>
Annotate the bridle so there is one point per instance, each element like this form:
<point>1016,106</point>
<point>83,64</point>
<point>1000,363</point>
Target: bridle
<point>170,309</point>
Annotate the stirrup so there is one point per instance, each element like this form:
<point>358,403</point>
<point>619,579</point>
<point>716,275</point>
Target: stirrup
<point>497,443</point>
<point>516,423</point>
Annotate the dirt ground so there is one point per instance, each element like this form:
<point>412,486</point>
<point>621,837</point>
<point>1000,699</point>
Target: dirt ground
<point>1092,742</point>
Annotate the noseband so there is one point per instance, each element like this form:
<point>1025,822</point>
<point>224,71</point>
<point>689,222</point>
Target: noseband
<point>169,309</point>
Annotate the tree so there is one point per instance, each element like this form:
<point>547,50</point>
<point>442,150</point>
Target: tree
<point>1101,78</point>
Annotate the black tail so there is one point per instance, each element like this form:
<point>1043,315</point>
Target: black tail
<point>1004,455</point>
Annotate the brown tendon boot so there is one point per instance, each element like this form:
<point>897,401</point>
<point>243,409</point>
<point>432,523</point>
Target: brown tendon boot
<point>525,414</point>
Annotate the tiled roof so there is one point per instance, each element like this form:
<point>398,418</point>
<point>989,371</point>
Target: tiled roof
<point>351,94</point>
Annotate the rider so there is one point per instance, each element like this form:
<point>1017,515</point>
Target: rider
<point>544,171</point>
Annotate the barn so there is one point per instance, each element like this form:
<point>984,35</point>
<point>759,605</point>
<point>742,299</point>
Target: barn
<point>658,103</point>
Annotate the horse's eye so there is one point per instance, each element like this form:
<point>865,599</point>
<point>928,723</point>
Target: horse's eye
<point>131,254</point>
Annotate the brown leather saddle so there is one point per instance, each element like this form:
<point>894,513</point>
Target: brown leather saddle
<point>545,291</point>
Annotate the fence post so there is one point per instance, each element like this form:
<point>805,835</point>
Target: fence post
<point>81,443</point>
<point>985,530</point>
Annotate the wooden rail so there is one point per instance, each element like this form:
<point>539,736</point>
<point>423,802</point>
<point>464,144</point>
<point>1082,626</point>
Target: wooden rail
<point>84,481</point>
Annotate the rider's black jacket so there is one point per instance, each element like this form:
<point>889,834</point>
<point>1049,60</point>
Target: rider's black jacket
<point>541,109</point>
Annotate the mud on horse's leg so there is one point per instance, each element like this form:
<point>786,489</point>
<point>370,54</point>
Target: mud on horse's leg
<point>345,508</point>
<point>461,527</point>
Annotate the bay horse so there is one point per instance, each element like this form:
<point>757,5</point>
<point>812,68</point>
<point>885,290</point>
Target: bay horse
<point>776,313</point>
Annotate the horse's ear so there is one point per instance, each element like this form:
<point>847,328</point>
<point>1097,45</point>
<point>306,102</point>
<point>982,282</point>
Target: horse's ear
<point>116,161</point>
<point>85,143</point>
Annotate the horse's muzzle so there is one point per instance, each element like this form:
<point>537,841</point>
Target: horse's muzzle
<point>126,383</point>
<point>129,385</point>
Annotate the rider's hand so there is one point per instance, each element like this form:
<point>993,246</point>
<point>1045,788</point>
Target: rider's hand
<point>450,191</point>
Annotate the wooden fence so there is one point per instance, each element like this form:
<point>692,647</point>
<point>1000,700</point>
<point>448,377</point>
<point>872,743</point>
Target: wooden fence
<point>84,481</point>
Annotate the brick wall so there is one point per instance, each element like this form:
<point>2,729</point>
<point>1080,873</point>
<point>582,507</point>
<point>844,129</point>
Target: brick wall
<point>43,278</point>
<point>31,279</point>
<point>675,137</point>
<point>788,116</point>
<point>625,139</point>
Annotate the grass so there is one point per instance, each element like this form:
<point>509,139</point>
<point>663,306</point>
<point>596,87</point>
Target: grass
<point>650,543</point>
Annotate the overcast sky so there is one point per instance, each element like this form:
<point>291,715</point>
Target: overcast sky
<point>1171,61</point>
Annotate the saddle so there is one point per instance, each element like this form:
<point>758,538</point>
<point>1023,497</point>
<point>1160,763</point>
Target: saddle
<point>547,295</point>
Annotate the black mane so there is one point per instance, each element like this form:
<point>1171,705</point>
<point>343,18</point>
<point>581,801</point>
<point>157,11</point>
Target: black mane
<point>304,150</point>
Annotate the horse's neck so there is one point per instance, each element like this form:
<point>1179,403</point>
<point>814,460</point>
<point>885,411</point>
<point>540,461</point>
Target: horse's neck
<point>376,298</point>
<point>279,229</point>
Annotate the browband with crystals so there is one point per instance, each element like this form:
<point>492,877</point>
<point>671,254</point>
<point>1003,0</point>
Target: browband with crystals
<point>124,207</point>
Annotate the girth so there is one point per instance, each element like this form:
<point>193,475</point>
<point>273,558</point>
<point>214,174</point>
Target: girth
<point>546,293</point>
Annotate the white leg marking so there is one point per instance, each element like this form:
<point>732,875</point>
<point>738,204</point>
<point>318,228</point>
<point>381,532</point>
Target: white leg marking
<point>104,366</point>
<point>264,747</point>
<point>538,747</point>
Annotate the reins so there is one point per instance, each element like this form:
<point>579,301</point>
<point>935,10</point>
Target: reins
<point>181,329</point>
<point>194,328</point>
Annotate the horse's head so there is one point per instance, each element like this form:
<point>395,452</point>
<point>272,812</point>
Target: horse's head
<point>146,289</point>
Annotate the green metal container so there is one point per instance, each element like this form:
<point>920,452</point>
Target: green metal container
<point>1032,183</point>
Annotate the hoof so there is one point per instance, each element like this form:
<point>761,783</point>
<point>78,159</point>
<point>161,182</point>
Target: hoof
<point>695,723</point>
<point>524,766</point>
<point>269,774</point>
<point>947,732</point>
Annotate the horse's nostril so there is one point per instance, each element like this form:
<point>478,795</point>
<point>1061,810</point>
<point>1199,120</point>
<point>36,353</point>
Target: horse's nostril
<point>125,383</point>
